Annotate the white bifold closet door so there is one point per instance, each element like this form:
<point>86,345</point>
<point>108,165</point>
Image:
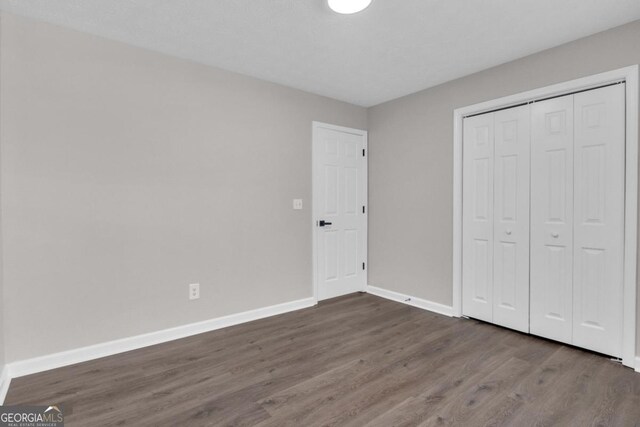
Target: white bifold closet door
<point>598,243</point>
<point>496,218</point>
<point>577,219</point>
<point>477,217</point>
<point>543,218</point>
<point>552,218</point>
<point>511,219</point>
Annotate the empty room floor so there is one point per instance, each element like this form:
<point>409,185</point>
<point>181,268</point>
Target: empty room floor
<point>354,360</point>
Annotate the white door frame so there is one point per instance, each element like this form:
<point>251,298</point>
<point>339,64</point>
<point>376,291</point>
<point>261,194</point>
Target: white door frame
<point>630,76</point>
<point>317,125</point>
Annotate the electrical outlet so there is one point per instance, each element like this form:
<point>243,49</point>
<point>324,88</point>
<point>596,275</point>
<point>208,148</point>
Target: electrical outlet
<point>297,204</point>
<point>194,291</point>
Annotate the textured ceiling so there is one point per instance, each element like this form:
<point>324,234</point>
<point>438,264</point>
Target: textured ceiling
<point>393,48</point>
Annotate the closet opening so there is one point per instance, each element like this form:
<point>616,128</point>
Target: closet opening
<point>545,212</point>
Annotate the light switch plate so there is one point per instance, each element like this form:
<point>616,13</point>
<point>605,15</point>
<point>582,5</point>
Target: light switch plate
<point>297,204</point>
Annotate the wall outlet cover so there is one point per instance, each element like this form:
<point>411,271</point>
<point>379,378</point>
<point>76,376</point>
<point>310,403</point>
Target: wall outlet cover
<point>194,291</point>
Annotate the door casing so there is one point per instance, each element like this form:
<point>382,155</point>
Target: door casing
<point>630,76</point>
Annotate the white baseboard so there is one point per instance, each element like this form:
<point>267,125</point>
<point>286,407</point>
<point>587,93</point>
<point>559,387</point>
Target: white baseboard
<point>637,365</point>
<point>83,354</point>
<point>413,301</point>
<point>5,380</point>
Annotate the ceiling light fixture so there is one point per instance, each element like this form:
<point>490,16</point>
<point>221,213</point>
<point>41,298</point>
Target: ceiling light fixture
<point>347,7</point>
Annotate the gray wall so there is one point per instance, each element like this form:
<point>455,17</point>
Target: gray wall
<point>411,158</point>
<point>127,175</point>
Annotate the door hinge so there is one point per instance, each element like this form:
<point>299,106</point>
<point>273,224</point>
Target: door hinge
<point>363,265</point>
<point>363,152</point>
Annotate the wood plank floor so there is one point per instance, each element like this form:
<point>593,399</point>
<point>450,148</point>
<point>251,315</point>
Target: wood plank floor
<point>356,360</point>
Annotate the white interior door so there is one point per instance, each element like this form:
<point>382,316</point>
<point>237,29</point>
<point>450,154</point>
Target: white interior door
<point>340,216</point>
<point>552,218</point>
<point>598,243</point>
<point>511,219</point>
<point>477,217</point>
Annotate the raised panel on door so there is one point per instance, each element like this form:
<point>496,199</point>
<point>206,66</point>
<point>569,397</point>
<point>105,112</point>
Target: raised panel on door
<point>551,277</point>
<point>511,218</point>
<point>339,195</point>
<point>599,151</point>
<point>477,218</point>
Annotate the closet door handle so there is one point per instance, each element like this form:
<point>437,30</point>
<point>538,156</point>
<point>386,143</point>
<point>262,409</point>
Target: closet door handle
<point>508,232</point>
<point>555,235</point>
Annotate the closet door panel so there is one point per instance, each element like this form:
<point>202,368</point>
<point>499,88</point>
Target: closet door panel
<point>552,218</point>
<point>477,218</point>
<point>511,218</point>
<point>599,219</point>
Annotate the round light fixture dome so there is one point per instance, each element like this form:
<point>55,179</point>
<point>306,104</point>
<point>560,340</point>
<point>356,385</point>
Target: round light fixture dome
<point>347,7</point>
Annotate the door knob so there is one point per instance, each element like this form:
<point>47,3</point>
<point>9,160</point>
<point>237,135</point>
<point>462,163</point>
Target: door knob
<point>322,223</point>
<point>508,232</point>
<point>554,235</point>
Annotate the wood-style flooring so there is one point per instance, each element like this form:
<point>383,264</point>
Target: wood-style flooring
<point>356,360</point>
